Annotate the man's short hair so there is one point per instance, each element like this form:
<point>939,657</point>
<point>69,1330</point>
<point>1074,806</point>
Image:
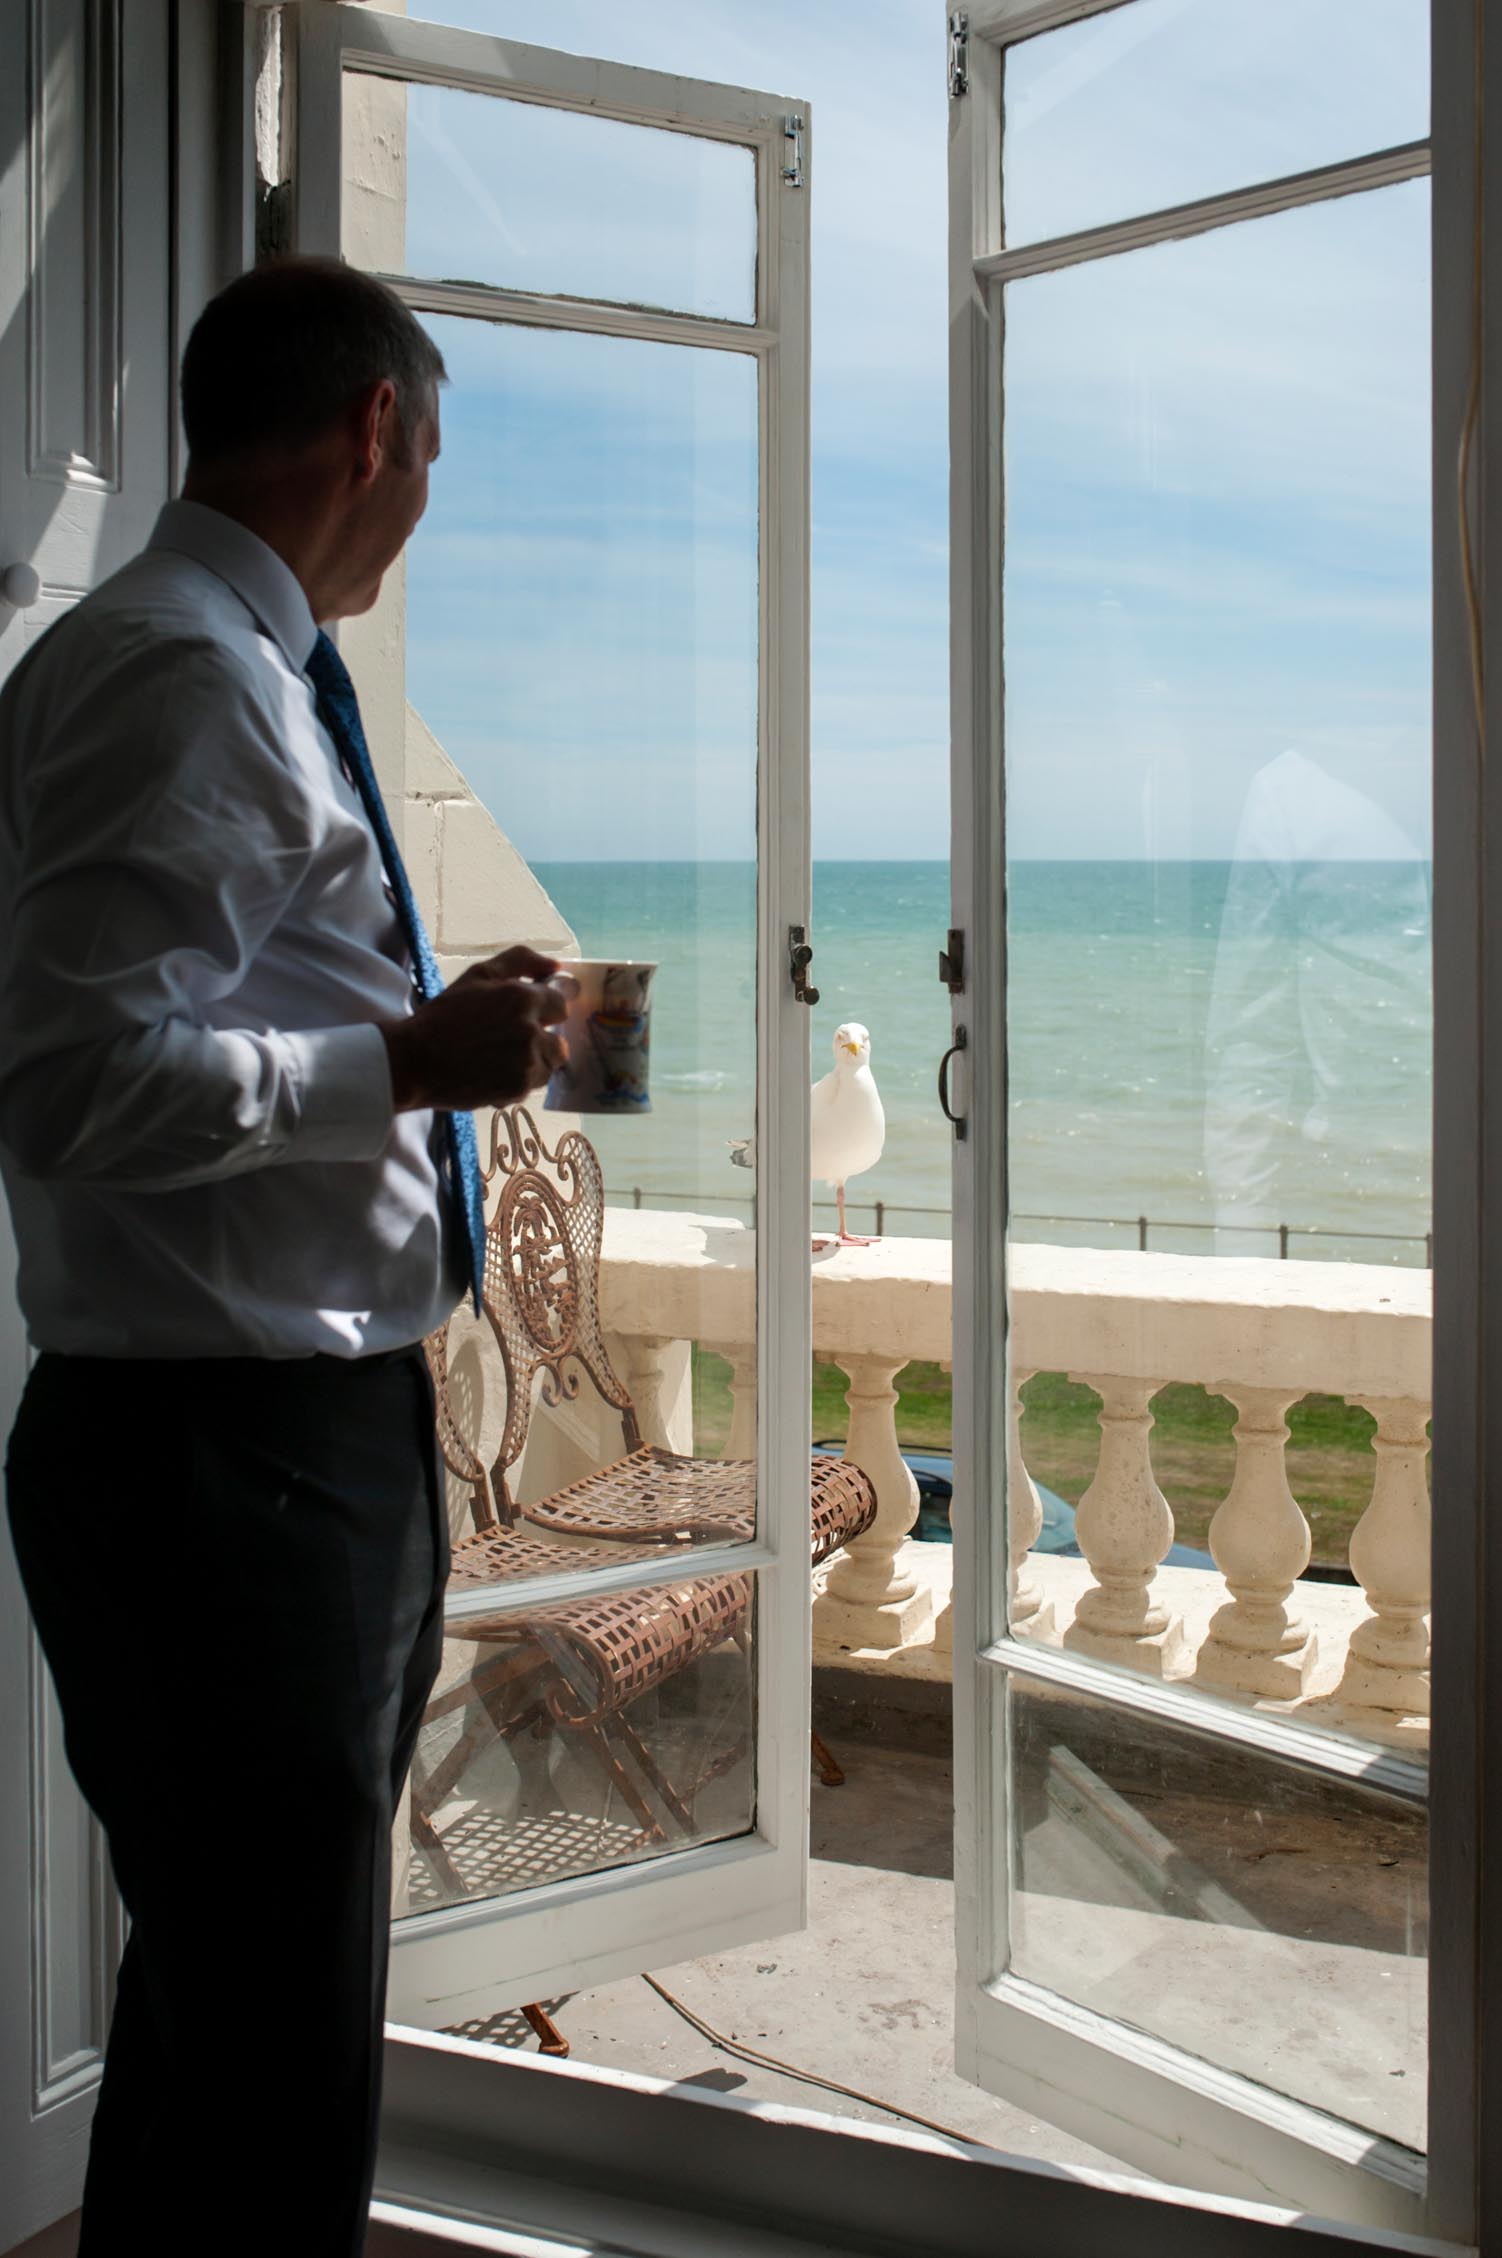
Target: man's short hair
<point>274,360</point>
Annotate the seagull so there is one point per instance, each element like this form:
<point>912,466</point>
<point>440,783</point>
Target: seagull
<point>847,1128</point>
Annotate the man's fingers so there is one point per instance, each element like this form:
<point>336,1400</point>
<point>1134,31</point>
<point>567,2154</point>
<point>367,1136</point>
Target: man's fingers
<point>521,963</point>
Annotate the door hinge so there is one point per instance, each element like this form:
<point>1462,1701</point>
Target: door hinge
<point>959,54</point>
<point>792,134</point>
<point>952,962</point>
<point>800,957</point>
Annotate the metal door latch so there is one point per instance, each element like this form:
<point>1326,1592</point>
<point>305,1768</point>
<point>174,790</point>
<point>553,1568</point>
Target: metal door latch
<point>957,1120</point>
<point>800,957</point>
<point>952,962</point>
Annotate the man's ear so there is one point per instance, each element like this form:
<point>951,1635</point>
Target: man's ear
<point>377,428</point>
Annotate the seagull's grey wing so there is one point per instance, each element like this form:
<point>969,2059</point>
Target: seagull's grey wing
<point>743,1152</point>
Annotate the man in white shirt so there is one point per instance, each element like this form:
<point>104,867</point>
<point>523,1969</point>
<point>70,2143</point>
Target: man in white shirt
<point>243,1188</point>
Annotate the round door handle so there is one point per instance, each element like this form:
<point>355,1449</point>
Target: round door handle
<point>20,585</point>
<point>957,1120</point>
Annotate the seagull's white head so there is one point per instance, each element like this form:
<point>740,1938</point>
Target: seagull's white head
<point>852,1041</point>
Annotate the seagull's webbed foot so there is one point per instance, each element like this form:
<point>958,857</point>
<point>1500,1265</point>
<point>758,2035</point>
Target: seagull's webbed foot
<point>849,1238</point>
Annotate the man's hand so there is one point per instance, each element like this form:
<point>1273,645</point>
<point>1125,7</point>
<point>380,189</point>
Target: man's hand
<point>485,1041</point>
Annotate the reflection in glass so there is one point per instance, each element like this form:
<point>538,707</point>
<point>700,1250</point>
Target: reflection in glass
<point>1270,1922</point>
<point>581,1735</point>
<point>1167,101</point>
<point>1217,684</point>
<point>467,187</point>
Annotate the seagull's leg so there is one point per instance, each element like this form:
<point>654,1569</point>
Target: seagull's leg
<point>848,1238</point>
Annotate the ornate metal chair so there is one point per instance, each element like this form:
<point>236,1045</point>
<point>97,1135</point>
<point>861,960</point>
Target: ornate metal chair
<point>542,1297</point>
<point>579,1666</point>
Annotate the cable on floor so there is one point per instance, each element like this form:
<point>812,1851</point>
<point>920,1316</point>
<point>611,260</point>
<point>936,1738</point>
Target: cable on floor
<point>762,2061</point>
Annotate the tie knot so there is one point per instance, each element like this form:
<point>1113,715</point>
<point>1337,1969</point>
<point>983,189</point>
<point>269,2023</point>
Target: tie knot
<point>326,670</point>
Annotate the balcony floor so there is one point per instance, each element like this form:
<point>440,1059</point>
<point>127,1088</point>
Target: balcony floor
<point>1278,1934</point>
<point>864,1994</point>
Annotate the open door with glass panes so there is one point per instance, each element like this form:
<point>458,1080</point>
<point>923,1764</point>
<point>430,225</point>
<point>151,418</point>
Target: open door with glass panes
<point>587,690</point>
<point>1191,447</point>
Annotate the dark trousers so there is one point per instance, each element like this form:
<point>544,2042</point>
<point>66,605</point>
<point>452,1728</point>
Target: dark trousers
<point>236,1568</point>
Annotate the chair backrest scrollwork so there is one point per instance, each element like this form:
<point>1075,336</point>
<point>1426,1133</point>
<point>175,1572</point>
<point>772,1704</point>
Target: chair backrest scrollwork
<point>541,1288</point>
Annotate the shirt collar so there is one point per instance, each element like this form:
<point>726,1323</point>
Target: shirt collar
<point>265,584</point>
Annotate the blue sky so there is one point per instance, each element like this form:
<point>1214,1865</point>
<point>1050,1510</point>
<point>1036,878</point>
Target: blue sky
<point>1217,451</point>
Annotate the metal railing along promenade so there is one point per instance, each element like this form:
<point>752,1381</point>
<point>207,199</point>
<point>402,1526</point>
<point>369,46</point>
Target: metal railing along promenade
<point>1288,1236</point>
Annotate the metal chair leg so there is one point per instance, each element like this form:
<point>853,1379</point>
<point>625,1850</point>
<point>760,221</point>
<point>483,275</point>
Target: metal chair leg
<point>829,1771</point>
<point>550,2040</point>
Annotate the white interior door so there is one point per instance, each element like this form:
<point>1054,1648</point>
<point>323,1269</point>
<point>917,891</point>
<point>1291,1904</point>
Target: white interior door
<point>85,418</point>
<point>589,684</point>
<point>1192,866</point>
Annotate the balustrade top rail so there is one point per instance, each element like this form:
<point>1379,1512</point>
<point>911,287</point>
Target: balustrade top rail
<point>1285,1234</point>
<point>1348,1329</point>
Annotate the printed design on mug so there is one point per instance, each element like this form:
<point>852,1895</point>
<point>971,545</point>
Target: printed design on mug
<point>607,1035</point>
<point>621,1037</point>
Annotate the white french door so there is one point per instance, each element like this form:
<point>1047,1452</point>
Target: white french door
<point>589,684</point>
<point>1190,415</point>
<point>85,430</point>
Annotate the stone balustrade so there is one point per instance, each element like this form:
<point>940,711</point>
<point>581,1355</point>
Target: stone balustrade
<point>1261,1333</point>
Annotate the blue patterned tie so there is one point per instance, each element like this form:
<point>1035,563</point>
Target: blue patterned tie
<point>339,711</point>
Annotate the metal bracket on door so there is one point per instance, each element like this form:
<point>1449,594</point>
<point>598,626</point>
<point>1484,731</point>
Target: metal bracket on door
<point>792,134</point>
<point>952,962</point>
<point>800,957</point>
<point>956,1120</point>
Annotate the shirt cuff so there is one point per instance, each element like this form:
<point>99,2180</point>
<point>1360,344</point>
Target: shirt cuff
<point>343,1078</point>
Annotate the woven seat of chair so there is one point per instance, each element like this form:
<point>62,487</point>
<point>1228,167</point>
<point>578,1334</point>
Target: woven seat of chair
<point>491,1854</point>
<point>655,1495</point>
<point>609,1651</point>
<point>500,1556</point>
<point>844,1504</point>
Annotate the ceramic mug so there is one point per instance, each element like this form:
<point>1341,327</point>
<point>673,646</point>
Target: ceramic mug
<point>607,1032</point>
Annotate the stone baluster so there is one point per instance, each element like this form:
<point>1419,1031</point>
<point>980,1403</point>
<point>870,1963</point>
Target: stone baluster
<point>1124,1526</point>
<point>1260,1541</point>
<point>1029,1615</point>
<point>1387,1662</point>
<point>870,1600</point>
<point>741,1358</point>
<point>655,1369</point>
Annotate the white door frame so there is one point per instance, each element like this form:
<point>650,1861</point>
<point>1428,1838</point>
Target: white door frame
<point>1157,2103</point>
<point>86,310</point>
<point>466,2131</point>
<point>472,1959</point>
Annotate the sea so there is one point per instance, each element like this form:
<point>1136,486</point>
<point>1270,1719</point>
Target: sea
<point>1206,1057</point>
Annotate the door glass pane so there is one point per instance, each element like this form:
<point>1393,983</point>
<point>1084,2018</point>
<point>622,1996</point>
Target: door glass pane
<point>581,645</point>
<point>1169,100</point>
<point>581,1735</point>
<point>1219,879</point>
<point>461,187</point>
<point>1267,1920</point>
<point>581,616</point>
<point>1217,670</point>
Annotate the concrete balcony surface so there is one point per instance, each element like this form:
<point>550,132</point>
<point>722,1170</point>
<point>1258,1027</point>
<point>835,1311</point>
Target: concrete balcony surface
<point>864,1995</point>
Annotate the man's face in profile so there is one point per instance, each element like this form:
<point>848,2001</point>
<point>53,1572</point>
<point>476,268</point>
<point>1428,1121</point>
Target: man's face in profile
<point>397,497</point>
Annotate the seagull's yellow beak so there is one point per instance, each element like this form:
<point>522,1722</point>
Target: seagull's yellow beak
<point>854,1049</point>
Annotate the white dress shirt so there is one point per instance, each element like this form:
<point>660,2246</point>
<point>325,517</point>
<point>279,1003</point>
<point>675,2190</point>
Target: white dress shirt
<point>196,945</point>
